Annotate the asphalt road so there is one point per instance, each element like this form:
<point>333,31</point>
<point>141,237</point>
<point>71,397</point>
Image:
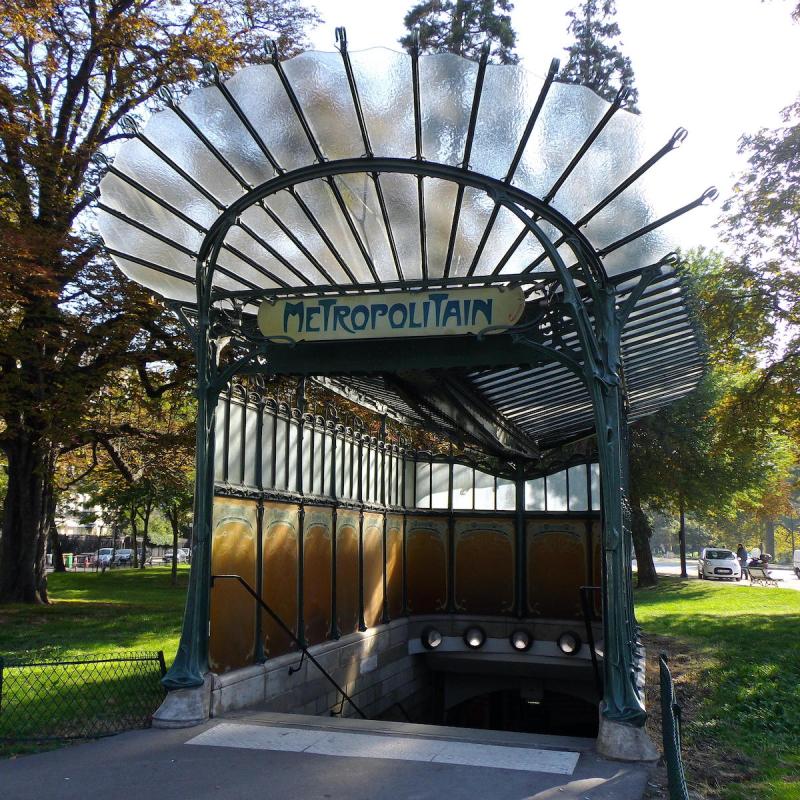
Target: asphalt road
<point>672,566</point>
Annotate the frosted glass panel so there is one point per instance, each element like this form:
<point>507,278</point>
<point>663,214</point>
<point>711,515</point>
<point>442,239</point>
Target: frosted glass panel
<point>410,469</point>
<point>235,443</point>
<point>281,463</point>
<point>349,485</point>
<point>308,485</point>
<point>292,461</point>
<point>219,442</point>
<point>506,495</point>
<point>557,491</point>
<point>367,472</point>
<point>595,484</point>
<point>578,492</point>
<point>384,84</point>
<point>341,448</point>
<point>251,450</point>
<point>328,488</point>
<point>534,495</point>
<point>484,491</point>
<point>423,484</point>
<point>441,484</point>
<point>462,486</point>
<point>319,461</point>
<point>267,439</point>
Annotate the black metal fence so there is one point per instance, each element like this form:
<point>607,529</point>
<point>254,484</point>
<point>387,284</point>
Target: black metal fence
<point>43,700</point>
<point>671,734</point>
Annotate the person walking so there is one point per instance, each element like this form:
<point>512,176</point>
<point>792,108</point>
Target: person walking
<point>741,554</point>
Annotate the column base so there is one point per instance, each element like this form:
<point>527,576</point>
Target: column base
<point>624,742</point>
<point>184,708</point>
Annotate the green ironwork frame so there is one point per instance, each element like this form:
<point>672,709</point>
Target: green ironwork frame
<point>596,362</point>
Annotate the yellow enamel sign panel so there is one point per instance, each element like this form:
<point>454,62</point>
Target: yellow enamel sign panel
<point>446,312</point>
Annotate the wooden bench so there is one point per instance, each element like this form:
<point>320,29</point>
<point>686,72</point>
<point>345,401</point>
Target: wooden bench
<point>762,576</point>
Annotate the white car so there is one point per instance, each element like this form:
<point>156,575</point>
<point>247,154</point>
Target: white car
<point>718,563</point>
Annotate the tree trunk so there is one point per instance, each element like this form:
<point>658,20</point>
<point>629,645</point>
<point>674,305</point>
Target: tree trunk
<point>641,534</point>
<point>682,539</point>
<point>769,536</point>
<point>134,537</point>
<point>56,549</point>
<point>22,579</point>
<point>148,508</point>
<point>173,521</point>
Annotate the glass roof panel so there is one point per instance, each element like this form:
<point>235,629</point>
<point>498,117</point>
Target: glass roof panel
<point>348,226</point>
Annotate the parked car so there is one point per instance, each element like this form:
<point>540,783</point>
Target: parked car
<point>796,563</point>
<point>122,557</point>
<point>719,564</point>
<point>104,556</point>
<point>184,556</point>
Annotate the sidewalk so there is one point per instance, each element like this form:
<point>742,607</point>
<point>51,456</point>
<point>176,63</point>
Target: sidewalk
<point>288,757</point>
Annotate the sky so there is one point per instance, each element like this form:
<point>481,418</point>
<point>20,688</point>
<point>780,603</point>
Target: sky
<point>719,68</point>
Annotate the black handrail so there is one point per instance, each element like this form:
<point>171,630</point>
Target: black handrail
<point>586,592</point>
<point>287,630</point>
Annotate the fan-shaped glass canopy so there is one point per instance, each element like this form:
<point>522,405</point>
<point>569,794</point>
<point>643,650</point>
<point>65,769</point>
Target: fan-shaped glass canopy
<point>377,170</point>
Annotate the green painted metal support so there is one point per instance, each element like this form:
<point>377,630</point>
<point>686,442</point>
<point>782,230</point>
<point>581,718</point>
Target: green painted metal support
<point>595,360</point>
<point>191,662</point>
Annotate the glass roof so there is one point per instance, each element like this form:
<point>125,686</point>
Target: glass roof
<point>171,182</point>
<point>376,226</point>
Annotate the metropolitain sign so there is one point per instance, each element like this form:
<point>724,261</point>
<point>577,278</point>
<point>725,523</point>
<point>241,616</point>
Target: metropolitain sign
<point>445,312</point>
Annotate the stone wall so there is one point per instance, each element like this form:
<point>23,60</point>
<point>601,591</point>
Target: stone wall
<point>373,667</point>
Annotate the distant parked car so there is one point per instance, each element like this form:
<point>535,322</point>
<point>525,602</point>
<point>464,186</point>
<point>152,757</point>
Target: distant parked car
<point>122,557</point>
<point>104,556</point>
<point>719,564</point>
<point>184,556</point>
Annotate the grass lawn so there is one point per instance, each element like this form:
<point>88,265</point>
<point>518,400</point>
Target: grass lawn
<point>736,659</point>
<point>92,614</point>
<point>99,612</point>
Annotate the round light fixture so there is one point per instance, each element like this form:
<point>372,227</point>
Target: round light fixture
<point>569,643</point>
<point>474,637</point>
<point>521,641</point>
<point>431,638</point>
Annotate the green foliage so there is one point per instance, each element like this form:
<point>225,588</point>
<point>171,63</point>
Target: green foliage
<point>749,643</point>
<point>69,72</point>
<point>725,449</point>
<point>595,58</point>
<point>462,27</point>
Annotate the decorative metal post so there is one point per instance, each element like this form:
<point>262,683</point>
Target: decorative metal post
<point>191,662</point>
<point>621,699</point>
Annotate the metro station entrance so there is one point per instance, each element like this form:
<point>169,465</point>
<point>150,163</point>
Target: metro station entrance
<point>454,247</point>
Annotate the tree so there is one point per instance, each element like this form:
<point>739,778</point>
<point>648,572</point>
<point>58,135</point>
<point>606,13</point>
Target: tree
<point>70,70</point>
<point>595,59</point>
<point>726,449</point>
<point>462,27</point>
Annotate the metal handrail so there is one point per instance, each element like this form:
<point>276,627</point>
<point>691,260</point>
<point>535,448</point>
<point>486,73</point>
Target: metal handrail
<point>671,734</point>
<point>288,631</point>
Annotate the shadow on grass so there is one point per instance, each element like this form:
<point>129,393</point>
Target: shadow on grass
<point>749,642</point>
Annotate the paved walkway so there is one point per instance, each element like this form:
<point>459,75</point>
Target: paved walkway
<point>289,757</point>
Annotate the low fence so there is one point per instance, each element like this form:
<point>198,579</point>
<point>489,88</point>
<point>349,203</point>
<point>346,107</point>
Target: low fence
<point>42,700</point>
<point>671,734</point>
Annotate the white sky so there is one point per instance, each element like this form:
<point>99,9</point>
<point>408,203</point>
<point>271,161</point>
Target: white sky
<point>719,68</point>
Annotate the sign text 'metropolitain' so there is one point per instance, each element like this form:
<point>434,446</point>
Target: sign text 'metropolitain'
<point>448,312</point>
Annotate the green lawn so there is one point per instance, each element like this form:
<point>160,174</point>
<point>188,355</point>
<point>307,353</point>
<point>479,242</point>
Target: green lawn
<point>745,647</point>
<point>92,614</point>
<point>99,612</point>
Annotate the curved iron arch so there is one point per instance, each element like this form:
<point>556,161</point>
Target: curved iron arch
<point>502,193</point>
